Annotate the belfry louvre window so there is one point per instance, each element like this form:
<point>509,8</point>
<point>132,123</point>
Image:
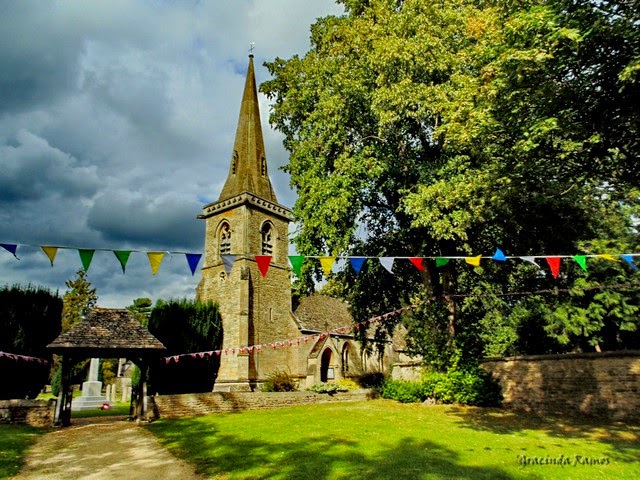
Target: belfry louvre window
<point>224,239</point>
<point>267,239</point>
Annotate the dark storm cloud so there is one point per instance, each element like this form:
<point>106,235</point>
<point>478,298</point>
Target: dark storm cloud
<point>117,122</point>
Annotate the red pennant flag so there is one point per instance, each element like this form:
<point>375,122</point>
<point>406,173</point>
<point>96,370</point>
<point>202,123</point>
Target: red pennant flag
<point>218,352</point>
<point>417,261</point>
<point>176,358</point>
<point>167,360</point>
<point>201,355</point>
<point>263,262</point>
<point>554,265</point>
<point>193,355</point>
<point>259,348</point>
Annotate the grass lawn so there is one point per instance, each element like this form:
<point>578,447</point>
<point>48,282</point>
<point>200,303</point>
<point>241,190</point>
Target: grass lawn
<point>384,439</point>
<point>14,442</point>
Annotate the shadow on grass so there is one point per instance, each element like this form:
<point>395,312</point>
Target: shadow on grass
<point>14,443</point>
<point>318,457</point>
<point>624,439</point>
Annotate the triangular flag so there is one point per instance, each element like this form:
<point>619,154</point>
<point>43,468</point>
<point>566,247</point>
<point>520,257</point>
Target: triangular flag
<point>554,265</point>
<point>50,252</point>
<point>607,256</point>
<point>530,259</point>
<point>499,256</point>
<point>193,259</point>
<point>417,261</point>
<point>582,261</point>
<point>475,261</point>
<point>629,259</point>
<point>85,257</point>
<point>155,259</point>
<point>228,261</point>
<point>356,263</point>
<point>327,264</point>
<point>387,262</point>
<point>296,263</point>
<point>10,247</point>
<point>441,261</point>
<point>263,262</point>
<point>123,257</point>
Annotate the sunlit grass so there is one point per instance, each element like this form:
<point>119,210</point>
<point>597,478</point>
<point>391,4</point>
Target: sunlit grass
<point>14,443</point>
<point>384,439</point>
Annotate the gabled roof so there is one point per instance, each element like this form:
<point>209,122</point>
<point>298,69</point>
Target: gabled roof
<point>320,313</point>
<point>248,169</point>
<point>107,333</point>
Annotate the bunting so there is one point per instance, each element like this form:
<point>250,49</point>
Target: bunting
<point>357,263</point>
<point>387,263</point>
<point>582,261</point>
<point>123,258</point>
<point>15,356</point>
<point>418,263</point>
<point>50,252</point>
<point>327,264</point>
<point>296,264</point>
<point>228,261</point>
<point>499,256</point>
<point>11,248</point>
<point>155,259</point>
<point>85,257</point>
<point>192,260</point>
<point>475,261</point>
<point>554,265</point>
<point>263,262</point>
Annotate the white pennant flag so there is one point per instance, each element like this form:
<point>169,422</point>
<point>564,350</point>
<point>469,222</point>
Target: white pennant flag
<point>531,260</point>
<point>387,262</point>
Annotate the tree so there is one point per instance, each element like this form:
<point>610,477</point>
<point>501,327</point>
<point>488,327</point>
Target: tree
<point>141,309</point>
<point>30,319</point>
<point>78,300</point>
<point>185,326</point>
<point>449,129</point>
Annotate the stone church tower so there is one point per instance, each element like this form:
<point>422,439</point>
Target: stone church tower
<point>245,221</point>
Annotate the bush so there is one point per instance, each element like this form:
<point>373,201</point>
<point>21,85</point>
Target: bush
<point>329,388</point>
<point>465,387</point>
<point>371,379</point>
<point>279,381</point>
<point>403,391</point>
<point>348,384</point>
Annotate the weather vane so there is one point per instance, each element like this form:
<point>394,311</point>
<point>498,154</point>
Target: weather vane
<point>251,45</point>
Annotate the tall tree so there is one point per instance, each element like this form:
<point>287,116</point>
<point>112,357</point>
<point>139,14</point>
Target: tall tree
<point>78,300</point>
<point>423,129</point>
<point>141,308</point>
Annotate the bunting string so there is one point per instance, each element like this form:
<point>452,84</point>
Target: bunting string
<point>327,263</point>
<point>25,358</point>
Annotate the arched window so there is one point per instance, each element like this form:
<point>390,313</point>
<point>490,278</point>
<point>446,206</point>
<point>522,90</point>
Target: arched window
<point>224,239</point>
<point>345,358</point>
<point>267,238</point>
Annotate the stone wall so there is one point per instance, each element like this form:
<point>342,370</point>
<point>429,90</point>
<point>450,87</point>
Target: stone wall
<point>39,413</point>
<point>171,406</point>
<point>593,384</point>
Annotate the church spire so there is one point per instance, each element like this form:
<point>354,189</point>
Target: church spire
<point>248,169</point>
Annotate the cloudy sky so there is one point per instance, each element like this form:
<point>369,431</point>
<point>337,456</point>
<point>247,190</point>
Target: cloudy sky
<point>117,121</point>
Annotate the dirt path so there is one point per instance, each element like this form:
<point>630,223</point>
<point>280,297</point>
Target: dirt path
<point>99,449</point>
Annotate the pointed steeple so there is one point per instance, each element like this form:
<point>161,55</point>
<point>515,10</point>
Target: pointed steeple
<point>248,169</point>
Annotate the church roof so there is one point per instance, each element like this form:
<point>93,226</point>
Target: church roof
<point>320,313</point>
<point>107,333</point>
<point>248,169</point>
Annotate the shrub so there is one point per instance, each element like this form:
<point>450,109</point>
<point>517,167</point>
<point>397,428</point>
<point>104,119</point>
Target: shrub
<point>403,391</point>
<point>329,388</point>
<point>348,384</point>
<point>279,381</point>
<point>466,387</point>
<point>371,379</point>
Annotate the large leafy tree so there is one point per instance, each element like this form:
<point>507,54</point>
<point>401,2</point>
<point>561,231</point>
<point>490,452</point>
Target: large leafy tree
<point>424,129</point>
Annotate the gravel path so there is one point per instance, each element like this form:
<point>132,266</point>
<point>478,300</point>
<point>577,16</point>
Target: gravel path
<point>102,448</point>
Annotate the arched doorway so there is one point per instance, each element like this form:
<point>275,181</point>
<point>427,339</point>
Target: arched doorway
<point>326,372</point>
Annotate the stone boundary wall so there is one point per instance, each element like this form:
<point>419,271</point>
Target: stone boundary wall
<point>38,413</point>
<point>594,384</point>
<point>190,404</point>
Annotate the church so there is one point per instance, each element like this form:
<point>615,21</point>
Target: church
<point>247,221</point>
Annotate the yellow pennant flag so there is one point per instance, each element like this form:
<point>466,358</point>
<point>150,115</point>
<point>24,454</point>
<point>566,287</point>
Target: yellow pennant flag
<point>475,261</point>
<point>327,264</point>
<point>50,252</point>
<point>155,259</point>
<point>607,256</point>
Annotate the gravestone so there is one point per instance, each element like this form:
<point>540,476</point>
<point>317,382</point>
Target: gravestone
<point>92,397</point>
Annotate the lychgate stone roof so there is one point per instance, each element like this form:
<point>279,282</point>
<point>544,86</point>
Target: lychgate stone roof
<point>107,333</point>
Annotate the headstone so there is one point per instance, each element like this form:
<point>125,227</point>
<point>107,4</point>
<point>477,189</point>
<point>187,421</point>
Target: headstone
<point>92,397</point>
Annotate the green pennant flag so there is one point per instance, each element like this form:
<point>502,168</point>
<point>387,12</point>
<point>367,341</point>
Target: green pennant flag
<point>123,257</point>
<point>441,261</point>
<point>85,257</point>
<point>296,263</point>
<point>582,261</point>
